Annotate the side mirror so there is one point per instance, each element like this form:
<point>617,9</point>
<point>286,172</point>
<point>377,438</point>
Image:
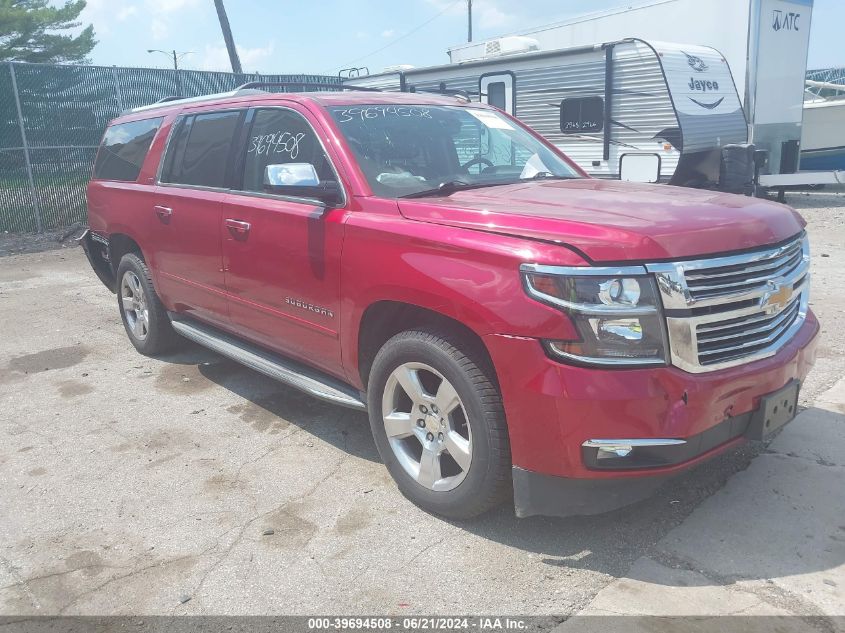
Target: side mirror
<point>300,180</point>
<point>639,167</point>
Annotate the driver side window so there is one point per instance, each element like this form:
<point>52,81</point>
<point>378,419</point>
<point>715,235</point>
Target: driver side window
<point>279,136</point>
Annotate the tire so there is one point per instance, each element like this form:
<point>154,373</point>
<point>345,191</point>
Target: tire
<point>144,317</point>
<point>463,442</point>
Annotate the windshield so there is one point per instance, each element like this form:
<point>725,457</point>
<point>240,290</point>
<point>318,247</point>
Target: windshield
<point>412,150</point>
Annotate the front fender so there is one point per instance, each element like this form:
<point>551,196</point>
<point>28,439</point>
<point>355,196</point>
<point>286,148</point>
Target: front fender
<point>468,276</point>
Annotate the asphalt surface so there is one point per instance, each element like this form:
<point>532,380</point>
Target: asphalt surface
<point>191,485</point>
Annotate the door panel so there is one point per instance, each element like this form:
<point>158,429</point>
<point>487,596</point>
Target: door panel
<point>186,233</point>
<point>186,214</point>
<point>283,275</point>
<point>281,255</point>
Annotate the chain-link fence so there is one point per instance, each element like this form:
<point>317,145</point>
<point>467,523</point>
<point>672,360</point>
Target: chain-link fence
<point>52,118</point>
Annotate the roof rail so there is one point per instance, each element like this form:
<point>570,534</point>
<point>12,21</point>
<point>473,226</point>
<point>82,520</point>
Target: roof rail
<point>461,95</point>
<point>253,87</point>
<point>166,101</point>
<point>301,84</point>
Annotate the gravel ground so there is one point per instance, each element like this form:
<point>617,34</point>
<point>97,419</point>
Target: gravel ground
<point>191,485</point>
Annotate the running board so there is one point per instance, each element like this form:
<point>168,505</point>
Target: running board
<point>282,369</point>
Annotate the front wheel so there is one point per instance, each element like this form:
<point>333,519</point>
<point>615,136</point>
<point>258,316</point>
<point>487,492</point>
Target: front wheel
<point>437,419</point>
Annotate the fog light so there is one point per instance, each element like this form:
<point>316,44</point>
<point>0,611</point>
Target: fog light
<point>612,452</point>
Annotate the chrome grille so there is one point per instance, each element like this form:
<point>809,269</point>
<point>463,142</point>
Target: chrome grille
<point>726,311</point>
<point>719,342</point>
<point>713,282</point>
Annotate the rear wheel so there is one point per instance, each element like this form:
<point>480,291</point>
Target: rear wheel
<point>438,422</point>
<point>144,317</point>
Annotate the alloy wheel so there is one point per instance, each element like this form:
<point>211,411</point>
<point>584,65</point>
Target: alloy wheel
<point>427,426</point>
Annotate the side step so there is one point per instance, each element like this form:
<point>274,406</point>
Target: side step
<point>282,369</point>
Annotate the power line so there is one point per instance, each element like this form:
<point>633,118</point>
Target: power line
<point>406,35</point>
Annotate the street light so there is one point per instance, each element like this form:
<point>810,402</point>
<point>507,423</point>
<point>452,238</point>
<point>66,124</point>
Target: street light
<point>176,57</point>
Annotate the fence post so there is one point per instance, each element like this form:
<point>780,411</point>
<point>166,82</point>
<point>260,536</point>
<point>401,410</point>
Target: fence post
<point>27,161</point>
<point>117,92</point>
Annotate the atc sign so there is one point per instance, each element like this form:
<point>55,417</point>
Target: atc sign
<point>783,21</point>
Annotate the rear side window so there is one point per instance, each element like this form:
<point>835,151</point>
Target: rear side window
<point>199,150</point>
<point>124,149</point>
<point>582,114</point>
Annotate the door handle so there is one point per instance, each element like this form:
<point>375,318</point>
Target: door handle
<point>163,213</point>
<point>237,227</point>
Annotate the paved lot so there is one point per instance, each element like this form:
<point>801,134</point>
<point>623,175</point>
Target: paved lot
<point>191,485</point>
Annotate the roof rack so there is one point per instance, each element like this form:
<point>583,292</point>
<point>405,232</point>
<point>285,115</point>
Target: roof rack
<point>169,98</point>
<point>300,84</point>
<point>462,95</point>
<point>252,87</point>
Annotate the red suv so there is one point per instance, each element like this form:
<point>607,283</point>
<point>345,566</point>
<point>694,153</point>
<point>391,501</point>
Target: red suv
<point>511,325</point>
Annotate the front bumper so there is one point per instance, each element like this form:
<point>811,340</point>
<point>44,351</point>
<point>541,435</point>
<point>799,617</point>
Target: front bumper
<point>553,409</point>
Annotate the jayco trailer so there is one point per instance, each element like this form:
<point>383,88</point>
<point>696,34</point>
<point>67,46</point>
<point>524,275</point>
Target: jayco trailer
<point>608,106</point>
<point>764,41</point>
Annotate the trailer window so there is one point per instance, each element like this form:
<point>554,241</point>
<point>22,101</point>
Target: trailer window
<point>582,114</point>
<point>496,95</point>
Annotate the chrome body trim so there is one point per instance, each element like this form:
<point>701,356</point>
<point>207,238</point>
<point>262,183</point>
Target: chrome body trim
<point>652,441</point>
<point>276,367</point>
<point>579,271</point>
<point>615,449</point>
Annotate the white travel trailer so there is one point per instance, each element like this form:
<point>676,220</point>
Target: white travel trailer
<point>631,108</point>
<point>764,41</point>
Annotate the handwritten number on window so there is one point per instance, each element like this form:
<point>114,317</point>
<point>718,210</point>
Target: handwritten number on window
<point>280,142</point>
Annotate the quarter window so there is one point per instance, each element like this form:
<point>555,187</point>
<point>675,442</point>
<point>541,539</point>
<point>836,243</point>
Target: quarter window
<point>280,136</point>
<point>199,151</point>
<point>582,114</point>
<point>124,149</point>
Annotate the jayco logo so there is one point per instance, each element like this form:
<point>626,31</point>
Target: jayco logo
<point>701,85</point>
<point>696,63</point>
<point>785,21</point>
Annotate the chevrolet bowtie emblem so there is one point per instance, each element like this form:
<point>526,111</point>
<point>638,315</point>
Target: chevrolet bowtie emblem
<point>777,298</point>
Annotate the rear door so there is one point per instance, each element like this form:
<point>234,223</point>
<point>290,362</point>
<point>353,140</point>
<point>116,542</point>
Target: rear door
<point>282,254</point>
<point>186,213</point>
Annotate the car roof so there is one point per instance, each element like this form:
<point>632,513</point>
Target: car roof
<point>321,98</point>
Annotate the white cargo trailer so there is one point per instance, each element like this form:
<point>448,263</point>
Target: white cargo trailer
<point>633,108</point>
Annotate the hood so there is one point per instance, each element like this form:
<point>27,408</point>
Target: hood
<point>613,221</point>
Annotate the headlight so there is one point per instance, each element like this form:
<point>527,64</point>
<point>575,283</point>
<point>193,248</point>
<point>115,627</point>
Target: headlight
<point>616,311</point>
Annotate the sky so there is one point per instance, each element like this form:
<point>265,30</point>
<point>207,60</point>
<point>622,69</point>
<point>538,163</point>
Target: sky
<point>323,36</point>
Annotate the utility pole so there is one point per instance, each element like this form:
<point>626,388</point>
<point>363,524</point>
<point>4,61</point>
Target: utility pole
<point>469,20</point>
<point>227,37</point>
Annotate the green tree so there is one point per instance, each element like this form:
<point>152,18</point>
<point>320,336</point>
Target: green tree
<point>36,31</point>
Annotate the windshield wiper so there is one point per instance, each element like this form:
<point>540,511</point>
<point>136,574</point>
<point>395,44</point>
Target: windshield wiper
<point>451,186</point>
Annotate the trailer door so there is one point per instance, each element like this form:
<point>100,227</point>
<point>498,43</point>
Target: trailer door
<point>499,90</point>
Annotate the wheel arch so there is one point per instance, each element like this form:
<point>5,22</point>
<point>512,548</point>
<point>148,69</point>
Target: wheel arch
<point>384,319</point>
